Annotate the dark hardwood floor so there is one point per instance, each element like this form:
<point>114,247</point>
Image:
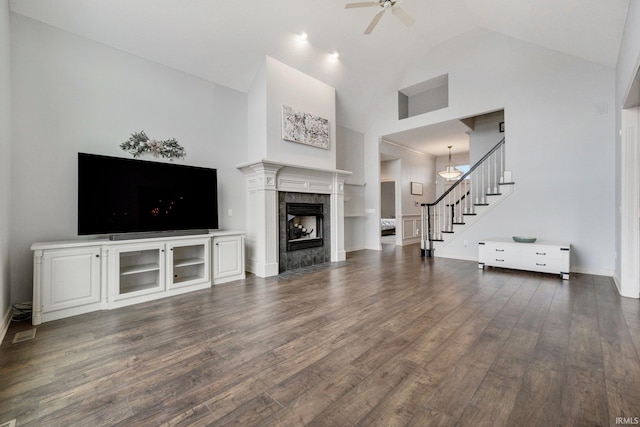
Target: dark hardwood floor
<point>384,339</point>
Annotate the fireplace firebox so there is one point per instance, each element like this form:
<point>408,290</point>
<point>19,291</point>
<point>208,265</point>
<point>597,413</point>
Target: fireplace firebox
<point>304,226</point>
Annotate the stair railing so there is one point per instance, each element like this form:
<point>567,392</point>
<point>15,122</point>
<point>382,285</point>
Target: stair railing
<point>469,191</point>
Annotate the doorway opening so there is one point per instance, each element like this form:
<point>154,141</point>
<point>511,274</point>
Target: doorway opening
<point>388,212</point>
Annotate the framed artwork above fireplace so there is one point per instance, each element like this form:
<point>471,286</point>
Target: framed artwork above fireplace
<point>304,128</point>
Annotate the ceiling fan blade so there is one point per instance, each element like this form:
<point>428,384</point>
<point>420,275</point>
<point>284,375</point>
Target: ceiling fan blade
<point>374,21</point>
<point>402,16</point>
<point>362,4</point>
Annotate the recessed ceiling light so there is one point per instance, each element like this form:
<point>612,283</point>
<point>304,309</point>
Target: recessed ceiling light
<point>303,37</point>
<point>335,55</point>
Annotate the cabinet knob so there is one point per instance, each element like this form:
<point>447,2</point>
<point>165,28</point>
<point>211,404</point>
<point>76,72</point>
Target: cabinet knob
<point>97,255</point>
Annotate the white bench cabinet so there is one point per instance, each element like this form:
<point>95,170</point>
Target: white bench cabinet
<point>542,256</point>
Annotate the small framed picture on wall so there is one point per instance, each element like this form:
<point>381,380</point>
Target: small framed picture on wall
<point>416,188</point>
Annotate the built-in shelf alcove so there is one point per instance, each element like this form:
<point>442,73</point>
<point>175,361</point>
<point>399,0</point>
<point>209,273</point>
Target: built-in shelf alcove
<point>424,97</point>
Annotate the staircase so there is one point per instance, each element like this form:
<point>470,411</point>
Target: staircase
<point>472,195</point>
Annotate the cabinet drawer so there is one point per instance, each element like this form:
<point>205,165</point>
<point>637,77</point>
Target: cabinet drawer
<point>545,265</point>
<point>492,254</point>
<point>540,253</point>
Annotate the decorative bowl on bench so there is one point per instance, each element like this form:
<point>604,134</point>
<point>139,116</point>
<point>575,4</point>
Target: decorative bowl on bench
<point>521,239</point>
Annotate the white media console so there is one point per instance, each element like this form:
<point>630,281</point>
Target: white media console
<point>542,256</point>
<point>76,277</point>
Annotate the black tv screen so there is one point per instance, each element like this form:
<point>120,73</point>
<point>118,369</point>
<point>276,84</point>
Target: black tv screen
<point>117,195</point>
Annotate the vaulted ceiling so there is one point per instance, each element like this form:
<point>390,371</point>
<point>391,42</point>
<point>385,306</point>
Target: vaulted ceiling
<point>225,41</point>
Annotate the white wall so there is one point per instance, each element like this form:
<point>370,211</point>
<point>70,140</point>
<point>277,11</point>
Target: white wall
<point>5,159</point>
<point>71,95</point>
<point>485,135</point>
<point>288,86</point>
<point>390,170</point>
<point>350,153</point>
<point>257,115</point>
<point>627,66</point>
<point>560,133</point>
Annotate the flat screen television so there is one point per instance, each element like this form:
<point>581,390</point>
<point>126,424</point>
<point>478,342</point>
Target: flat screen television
<point>117,195</point>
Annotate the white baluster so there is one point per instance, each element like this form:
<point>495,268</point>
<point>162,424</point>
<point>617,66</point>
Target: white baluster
<point>483,188</point>
<point>495,171</point>
<point>456,209</point>
<point>489,189</point>
<point>439,228</point>
<point>474,189</point>
<point>442,218</point>
<point>502,153</point>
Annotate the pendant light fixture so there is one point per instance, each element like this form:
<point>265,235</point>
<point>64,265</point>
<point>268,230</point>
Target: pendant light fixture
<point>450,172</point>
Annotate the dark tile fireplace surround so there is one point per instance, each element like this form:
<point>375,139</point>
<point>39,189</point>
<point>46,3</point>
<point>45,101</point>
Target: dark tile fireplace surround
<point>304,230</point>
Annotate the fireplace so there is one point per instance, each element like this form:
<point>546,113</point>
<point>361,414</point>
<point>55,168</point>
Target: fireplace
<point>304,230</point>
<point>271,185</point>
<point>304,226</point>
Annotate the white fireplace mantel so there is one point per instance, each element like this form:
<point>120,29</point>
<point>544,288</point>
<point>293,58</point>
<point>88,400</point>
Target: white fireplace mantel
<point>264,178</point>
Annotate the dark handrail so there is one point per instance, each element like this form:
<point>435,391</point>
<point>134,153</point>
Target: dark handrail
<point>464,196</point>
<point>462,178</point>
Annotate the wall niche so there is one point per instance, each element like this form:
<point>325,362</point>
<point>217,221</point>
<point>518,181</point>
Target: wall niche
<point>424,97</point>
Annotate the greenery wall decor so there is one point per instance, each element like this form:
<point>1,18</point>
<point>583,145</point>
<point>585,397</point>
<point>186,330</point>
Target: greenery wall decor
<point>139,143</point>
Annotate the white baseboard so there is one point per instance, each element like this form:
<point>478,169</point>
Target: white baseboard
<point>6,321</point>
<point>618,284</point>
<point>593,271</point>
<point>410,241</point>
<point>581,270</point>
<point>461,258</point>
<point>340,256</point>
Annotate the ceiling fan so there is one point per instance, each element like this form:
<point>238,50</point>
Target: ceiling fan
<point>384,5</point>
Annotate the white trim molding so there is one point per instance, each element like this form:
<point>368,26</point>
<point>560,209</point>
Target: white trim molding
<point>630,204</point>
<point>408,229</point>
<point>6,321</point>
<point>402,147</point>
